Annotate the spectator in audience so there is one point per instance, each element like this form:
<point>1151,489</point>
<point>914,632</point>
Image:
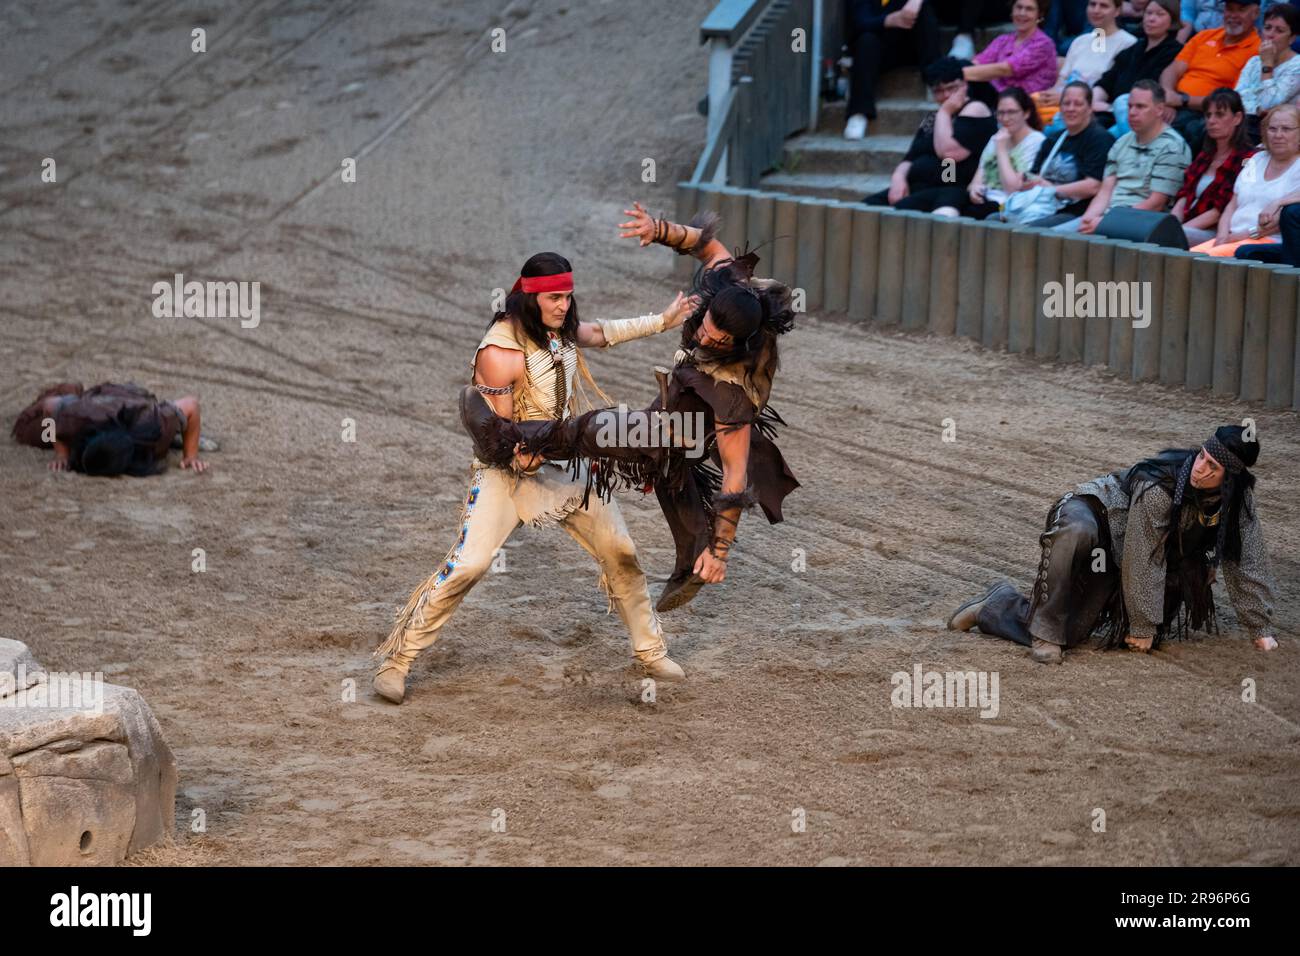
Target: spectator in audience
<point>1075,168</point>
<point>1269,180</point>
<point>1066,20</point>
<point>1090,56</point>
<point>886,35</point>
<point>1272,77</point>
<point>1211,59</point>
<point>946,148</point>
<point>1142,61</point>
<point>966,15</point>
<point>1145,166</point>
<point>1209,180</point>
<point>1131,13</point>
<point>1198,15</point>
<point>1025,58</point>
<point>1208,14</point>
<point>1007,157</point>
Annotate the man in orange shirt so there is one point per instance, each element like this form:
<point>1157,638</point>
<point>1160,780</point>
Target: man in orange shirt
<point>1211,59</point>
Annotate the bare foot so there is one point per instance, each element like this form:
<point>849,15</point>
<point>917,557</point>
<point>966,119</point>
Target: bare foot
<point>1142,644</point>
<point>1266,643</point>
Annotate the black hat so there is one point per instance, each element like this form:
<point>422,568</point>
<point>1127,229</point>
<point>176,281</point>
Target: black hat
<point>1232,450</point>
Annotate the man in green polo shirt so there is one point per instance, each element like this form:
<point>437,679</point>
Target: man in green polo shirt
<point>1144,168</point>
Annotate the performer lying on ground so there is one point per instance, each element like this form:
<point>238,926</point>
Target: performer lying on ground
<point>527,366</point>
<point>111,429</point>
<point>1132,555</point>
<point>722,378</point>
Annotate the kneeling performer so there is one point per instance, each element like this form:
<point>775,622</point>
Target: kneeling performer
<point>1132,555</point>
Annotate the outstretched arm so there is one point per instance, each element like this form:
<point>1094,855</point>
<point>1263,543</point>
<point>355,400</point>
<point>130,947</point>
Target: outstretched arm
<point>1142,569</point>
<point>607,332</point>
<point>644,227</point>
<point>1250,581</point>
<point>986,71</point>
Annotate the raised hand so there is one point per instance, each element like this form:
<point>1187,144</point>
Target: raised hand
<point>1267,53</point>
<point>641,226</point>
<point>682,306</point>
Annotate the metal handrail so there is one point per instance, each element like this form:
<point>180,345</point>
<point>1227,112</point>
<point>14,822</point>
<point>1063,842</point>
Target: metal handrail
<point>715,150</point>
<point>760,90</point>
<point>730,20</point>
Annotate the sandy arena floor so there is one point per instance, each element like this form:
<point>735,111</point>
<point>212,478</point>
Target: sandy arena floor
<point>226,165</point>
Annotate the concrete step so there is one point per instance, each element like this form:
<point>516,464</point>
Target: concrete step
<point>832,153</point>
<point>823,163</point>
<point>903,84</point>
<point>893,117</point>
<point>849,187</point>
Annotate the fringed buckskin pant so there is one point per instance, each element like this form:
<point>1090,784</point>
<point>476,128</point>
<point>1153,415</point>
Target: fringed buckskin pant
<point>497,503</point>
<point>1069,599</point>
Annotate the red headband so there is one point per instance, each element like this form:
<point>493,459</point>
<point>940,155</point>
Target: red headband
<point>560,282</point>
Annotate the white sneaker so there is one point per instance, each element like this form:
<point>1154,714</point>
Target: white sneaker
<point>856,127</point>
<point>963,47</point>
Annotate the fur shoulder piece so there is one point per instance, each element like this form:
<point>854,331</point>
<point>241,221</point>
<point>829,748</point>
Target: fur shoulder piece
<point>707,222</point>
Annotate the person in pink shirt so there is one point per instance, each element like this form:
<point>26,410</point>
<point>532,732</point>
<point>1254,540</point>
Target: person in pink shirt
<point>1026,58</point>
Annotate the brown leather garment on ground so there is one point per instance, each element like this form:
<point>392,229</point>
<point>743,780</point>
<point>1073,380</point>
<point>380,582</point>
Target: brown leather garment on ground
<point>29,426</point>
<point>152,423</point>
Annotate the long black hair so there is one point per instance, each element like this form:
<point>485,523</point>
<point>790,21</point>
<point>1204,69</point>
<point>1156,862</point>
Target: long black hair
<point>123,446</point>
<point>753,311</point>
<point>523,305</point>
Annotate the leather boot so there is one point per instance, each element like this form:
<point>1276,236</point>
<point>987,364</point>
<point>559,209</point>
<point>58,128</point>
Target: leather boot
<point>390,683</point>
<point>1004,612</point>
<point>552,440</point>
<point>665,669</point>
<point>680,590</point>
<point>964,618</point>
<point>1045,652</point>
<point>494,437</point>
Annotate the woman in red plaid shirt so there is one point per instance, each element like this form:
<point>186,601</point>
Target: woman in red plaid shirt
<point>1208,182</point>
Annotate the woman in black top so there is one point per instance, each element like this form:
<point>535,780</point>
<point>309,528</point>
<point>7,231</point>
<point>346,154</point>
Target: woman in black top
<point>1077,167</point>
<point>1141,61</point>
<point>925,179</point>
